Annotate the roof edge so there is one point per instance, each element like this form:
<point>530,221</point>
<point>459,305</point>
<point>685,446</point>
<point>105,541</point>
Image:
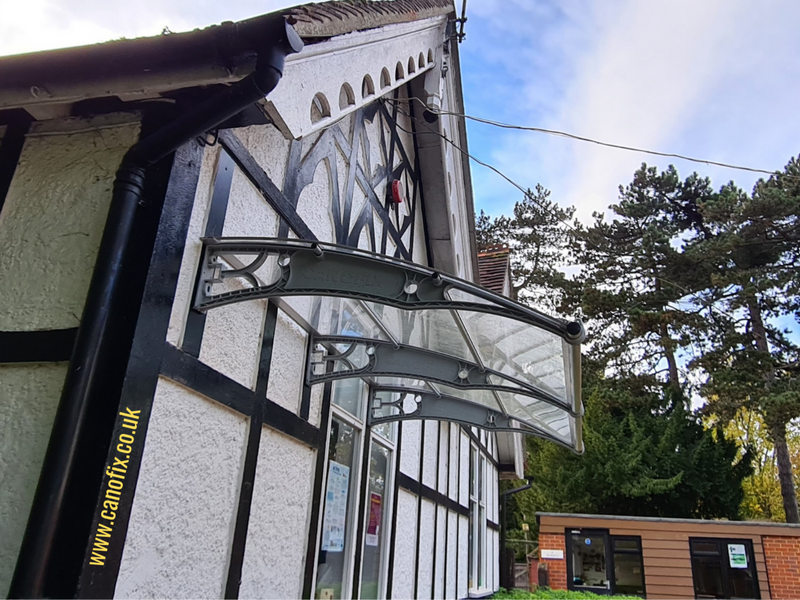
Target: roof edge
<point>337,17</point>
<point>667,520</point>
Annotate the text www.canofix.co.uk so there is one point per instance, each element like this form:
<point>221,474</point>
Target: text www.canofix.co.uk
<point>116,473</point>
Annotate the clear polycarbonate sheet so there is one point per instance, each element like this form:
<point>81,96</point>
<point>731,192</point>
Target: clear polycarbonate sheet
<point>526,356</point>
<point>349,293</point>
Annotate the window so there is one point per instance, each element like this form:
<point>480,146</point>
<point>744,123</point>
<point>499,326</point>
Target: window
<point>603,563</point>
<point>723,568</point>
<point>628,568</point>
<point>352,554</point>
<point>477,520</point>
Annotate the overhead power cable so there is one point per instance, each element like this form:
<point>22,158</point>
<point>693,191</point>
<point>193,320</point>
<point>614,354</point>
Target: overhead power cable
<point>525,191</point>
<point>579,138</point>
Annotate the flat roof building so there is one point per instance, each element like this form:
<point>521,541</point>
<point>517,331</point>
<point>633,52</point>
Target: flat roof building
<point>670,558</point>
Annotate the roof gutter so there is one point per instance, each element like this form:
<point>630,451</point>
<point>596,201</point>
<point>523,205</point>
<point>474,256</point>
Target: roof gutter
<point>35,573</point>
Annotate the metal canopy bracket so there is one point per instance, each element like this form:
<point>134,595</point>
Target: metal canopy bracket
<point>490,362</point>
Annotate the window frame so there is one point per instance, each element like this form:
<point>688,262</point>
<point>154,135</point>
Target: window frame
<point>477,572</point>
<point>722,543</point>
<point>357,515</point>
<point>608,544</point>
<point>387,511</point>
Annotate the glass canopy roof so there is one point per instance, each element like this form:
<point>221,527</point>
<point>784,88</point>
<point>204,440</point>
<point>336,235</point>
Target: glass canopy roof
<point>430,345</point>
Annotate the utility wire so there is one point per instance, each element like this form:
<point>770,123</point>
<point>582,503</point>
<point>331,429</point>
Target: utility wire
<point>399,104</point>
<point>572,136</point>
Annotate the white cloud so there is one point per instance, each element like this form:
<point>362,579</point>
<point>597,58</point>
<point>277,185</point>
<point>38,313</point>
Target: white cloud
<point>32,25</point>
<point>716,79</point>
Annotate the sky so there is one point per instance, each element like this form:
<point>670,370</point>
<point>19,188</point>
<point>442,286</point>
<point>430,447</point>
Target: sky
<point>715,79</point>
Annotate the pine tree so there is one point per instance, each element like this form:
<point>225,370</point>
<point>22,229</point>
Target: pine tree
<point>749,244</point>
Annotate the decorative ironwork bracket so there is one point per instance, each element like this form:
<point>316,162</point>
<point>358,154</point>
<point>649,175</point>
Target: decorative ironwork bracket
<point>319,269</point>
<point>378,358</point>
<point>429,406</point>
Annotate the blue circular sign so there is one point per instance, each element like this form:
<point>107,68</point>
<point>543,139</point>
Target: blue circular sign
<point>588,541</point>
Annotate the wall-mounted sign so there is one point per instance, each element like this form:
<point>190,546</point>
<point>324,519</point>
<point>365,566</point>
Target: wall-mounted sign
<point>552,554</point>
<point>333,524</point>
<point>737,555</point>
<point>375,509</point>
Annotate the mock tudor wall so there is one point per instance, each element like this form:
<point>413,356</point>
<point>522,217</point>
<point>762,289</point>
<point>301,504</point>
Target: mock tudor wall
<point>180,539</point>
<point>50,229</point>
<point>175,526</point>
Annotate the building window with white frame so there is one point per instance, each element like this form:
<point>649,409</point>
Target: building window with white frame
<point>352,560</point>
<point>477,520</point>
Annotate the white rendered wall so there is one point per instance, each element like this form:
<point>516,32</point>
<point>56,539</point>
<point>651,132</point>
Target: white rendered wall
<point>405,546</point>
<point>50,229</point>
<point>430,452</point>
<point>274,557</point>
<point>463,557</point>
<point>440,565</point>
<point>427,538</point>
<point>183,513</point>
<point>53,218</point>
<point>28,399</point>
<point>451,580</point>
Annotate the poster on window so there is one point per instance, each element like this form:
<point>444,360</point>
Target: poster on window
<point>335,518</point>
<point>373,528</point>
<point>737,556</point>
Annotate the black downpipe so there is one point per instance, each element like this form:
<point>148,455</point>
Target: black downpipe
<point>81,395</point>
<point>506,554</point>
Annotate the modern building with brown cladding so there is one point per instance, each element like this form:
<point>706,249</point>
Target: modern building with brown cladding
<point>670,558</point>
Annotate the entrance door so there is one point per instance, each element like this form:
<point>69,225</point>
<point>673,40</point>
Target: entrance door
<point>723,568</point>
<point>588,565</point>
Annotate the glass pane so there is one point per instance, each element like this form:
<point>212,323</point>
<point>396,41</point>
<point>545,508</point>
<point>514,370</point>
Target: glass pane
<point>589,561</point>
<point>742,582</point>
<point>336,526</point>
<point>348,394</point>
<point>375,518</point>
<point>626,544</point>
<point>700,546</point>
<point>707,572</point>
<point>482,546</point>
<point>628,575</point>
<point>473,557</point>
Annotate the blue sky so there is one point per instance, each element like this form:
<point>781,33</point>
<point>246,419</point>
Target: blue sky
<point>716,79</point>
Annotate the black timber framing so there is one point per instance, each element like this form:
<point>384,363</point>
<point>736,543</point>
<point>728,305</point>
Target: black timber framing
<point>239,542</point>
<point>264,185</point>
<point>185,369</point>
<point>215,220</point>
<point>37,346</point>
<point>140,370</point>
<point>316,499</point>
<point>10,151</point>
<point>393,536</point>
<point>423,491</point>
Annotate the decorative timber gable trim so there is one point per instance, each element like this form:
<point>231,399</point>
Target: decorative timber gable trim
<point>330,19</point>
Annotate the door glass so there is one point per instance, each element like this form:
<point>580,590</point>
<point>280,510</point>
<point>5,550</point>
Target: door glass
<point>339,492</point>
<point>589,560</point>
<point>375,518</point>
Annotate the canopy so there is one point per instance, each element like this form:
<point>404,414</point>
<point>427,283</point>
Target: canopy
<point>431,346</point>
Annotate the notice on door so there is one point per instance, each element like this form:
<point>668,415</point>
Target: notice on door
<point>373,528</point>
<point>335,517</point>
<point>737,555</point>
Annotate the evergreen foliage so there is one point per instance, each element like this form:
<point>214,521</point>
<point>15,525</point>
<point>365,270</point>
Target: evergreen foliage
<point>682,288</point>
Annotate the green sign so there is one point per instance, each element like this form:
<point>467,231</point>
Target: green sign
<point>737,556</point>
